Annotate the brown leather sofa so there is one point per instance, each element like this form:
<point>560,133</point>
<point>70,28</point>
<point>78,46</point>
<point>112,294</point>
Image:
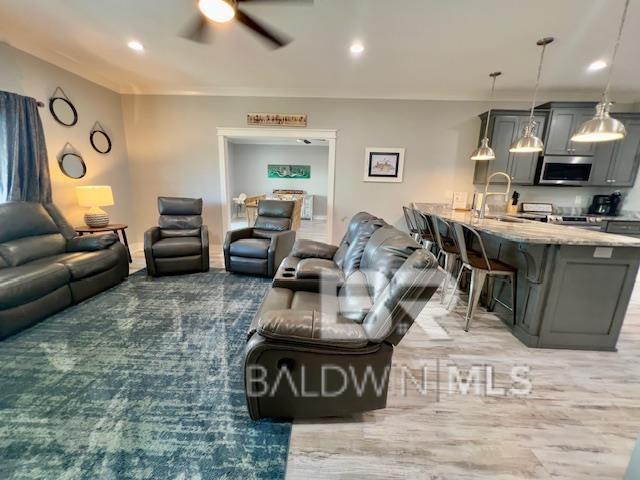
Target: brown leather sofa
<point>322,341</point>
<point>180,244</point>
<point>45,267</point>
<point>259,250</point>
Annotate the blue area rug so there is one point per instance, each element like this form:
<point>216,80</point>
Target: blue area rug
<point>144,381</point>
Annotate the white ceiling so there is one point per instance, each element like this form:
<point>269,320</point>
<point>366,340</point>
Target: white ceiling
<point>427,49</point>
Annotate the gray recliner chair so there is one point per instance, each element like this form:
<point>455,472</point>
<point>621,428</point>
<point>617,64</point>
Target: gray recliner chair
<point>322,346</point>
<point>260,249</point>
<point>180,244</point>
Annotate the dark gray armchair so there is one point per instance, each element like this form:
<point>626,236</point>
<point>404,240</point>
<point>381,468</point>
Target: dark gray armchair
<point>260,249</point>
<point>180,244</point>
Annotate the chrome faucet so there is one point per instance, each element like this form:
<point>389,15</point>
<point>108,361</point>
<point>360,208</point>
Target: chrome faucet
<point>487,193</point>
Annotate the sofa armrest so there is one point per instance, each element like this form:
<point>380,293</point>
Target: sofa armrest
<point>311,327</point>
<point>151,236</point>
<point>204,240</point>
<point>279,248</point>
<point>91,243</point>
<point>232,236</point>
<point>304,248</point>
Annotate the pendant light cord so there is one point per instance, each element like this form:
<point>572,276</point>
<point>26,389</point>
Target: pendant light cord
<point>493,75</point>
<point>605,94</point>
<point>535,90</point>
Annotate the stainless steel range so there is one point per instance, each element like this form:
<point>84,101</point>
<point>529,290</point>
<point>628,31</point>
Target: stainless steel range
<point>544,212</point>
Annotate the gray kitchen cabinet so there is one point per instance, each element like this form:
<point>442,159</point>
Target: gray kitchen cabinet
<point>615,164</point>
<point>504,128</point>
<point>563,123</point>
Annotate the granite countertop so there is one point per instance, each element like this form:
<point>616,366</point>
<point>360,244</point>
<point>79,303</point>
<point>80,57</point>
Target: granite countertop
<point>529,231</point>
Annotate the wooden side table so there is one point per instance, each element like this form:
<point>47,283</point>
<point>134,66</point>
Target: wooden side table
<point>117,228</point>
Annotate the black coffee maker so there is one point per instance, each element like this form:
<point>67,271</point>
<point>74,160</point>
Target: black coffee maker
<point>606,204</point>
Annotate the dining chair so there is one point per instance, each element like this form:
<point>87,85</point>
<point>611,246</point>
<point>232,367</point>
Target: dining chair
<point>481,267</point>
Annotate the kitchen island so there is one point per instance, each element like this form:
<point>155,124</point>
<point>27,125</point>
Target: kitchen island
<point>573,285</point>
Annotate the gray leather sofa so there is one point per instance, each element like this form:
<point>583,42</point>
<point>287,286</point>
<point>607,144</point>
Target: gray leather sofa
<point>45,267</point>
<point>322,341</point>
<point>258,250</point>
<point>180,244</point>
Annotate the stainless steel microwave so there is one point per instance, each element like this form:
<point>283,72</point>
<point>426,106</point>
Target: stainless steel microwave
<point>561,170</point>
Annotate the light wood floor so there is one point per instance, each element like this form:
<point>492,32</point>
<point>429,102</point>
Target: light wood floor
<point>580,421</point>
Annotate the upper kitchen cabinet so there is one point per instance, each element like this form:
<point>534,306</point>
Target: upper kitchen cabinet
<point>615,164</point>
<point>504,128</point>
<point>564,120</point>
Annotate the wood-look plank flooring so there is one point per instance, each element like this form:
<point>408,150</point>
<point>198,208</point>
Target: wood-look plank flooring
<point>580,421</point>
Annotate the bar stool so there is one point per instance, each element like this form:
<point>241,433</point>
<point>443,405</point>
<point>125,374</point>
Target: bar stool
<point>410,220</point>
<point>447,248</point>
<point>481,267</point>
<point>423,224</point>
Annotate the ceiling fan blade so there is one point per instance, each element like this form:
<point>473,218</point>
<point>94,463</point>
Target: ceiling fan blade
<point>198,30</point>
<point>276,40</point>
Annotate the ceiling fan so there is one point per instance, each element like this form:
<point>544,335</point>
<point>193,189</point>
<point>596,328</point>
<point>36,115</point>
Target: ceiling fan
<point>223,11</point>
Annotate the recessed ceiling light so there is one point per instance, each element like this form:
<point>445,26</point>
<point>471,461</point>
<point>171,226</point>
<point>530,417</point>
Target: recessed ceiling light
<point>356,48</point>
<point>135,46</point>
<point>597,65</point>
<point>219,11</point>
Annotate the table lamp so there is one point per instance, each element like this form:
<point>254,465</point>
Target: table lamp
<point>95,197</point>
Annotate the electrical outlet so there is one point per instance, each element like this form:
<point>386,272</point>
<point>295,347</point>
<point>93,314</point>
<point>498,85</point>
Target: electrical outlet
<point>578,200</point>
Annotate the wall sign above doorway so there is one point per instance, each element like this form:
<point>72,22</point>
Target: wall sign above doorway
<point>277,119</point>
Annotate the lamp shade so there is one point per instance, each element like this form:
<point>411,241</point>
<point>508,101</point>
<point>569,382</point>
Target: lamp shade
<point>484,151</point>
<point>601,128</point>
<point>94,196</point>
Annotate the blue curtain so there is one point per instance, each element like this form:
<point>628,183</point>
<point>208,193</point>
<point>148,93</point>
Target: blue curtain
<point>24,165</point>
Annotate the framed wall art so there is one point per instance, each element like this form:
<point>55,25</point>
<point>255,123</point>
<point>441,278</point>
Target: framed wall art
<point>384,164</point>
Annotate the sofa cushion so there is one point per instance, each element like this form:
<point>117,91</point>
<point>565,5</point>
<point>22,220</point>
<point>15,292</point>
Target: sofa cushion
<point>177,232</point>
<point>22,250</point>
<point>91,243</point>
<point>26,283</point>
<point>354,298</point>
<point>83,264</point>
<point>24,219</point>
<point>312,328</point>
<point>180,222</point>
<point>177,247</point>
<point>250,247</point>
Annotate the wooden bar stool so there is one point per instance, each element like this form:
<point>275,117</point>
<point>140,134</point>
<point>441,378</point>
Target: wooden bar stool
<point>481,267</point>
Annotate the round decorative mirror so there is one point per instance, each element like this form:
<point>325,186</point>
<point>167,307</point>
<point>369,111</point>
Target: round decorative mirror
<point>61,108</point>
<point>71,163</point>
<point>99,139</point>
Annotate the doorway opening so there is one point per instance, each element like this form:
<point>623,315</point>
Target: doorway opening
<point>284,164</point>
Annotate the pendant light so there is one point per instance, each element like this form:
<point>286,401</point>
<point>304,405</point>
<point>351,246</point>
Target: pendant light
<point>484,151</point>
<point>602,127</point>
<point>528,142</point>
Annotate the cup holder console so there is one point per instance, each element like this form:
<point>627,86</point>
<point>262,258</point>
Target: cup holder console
<point>289,269</point>
<point>288,275</point>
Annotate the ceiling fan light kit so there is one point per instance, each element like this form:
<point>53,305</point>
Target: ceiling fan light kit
<point>529,142</point>
<point>219,11</point>
<point>602,127</point>
<point>484,151</point>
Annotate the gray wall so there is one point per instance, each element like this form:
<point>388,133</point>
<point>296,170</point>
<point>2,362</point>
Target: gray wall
<point>173,148</point>
<point>24,74</point>
<point>248,170</point>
